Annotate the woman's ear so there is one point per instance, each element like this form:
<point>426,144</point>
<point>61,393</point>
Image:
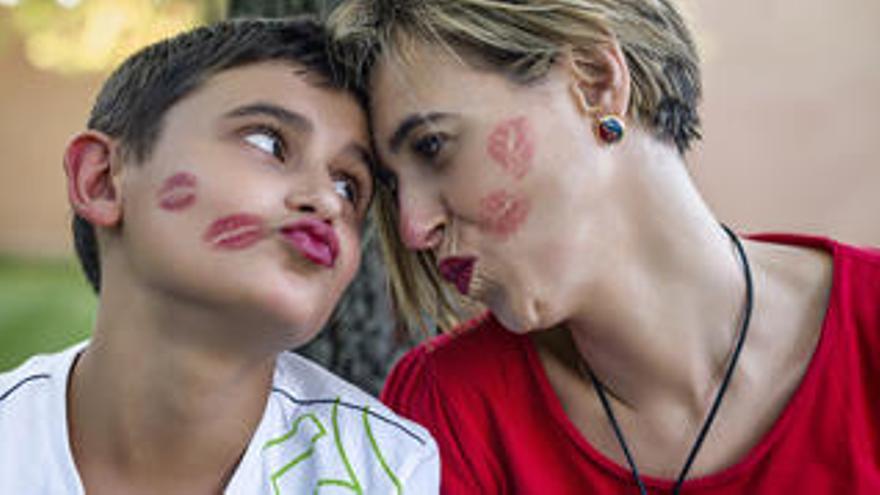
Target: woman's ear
<point>89,165</point>
<point>600,79</point>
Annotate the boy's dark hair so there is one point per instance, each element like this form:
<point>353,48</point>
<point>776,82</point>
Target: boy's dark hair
<point>134,100</point>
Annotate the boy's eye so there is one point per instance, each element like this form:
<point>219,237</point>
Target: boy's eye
<point>347,188</point>
<point>429,146</point>
<point>266,140</point>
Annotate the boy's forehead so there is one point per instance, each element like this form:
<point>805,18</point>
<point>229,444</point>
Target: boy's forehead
<point>258,80</point>
<point>281,84</point>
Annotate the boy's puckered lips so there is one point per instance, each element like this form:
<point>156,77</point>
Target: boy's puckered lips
<point>314,239</point>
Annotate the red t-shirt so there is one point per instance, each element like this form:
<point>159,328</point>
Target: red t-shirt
<point>483,394</point>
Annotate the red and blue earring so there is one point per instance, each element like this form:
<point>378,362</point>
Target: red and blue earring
<point>611,129</point>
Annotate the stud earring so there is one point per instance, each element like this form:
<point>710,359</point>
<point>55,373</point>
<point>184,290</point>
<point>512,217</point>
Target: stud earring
<point>611,129</point>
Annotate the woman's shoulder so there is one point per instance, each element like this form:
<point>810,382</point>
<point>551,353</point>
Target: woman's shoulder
<point>468,348</point>
<point>475,356</point>
<point>854,270</point>
<point>867,255</point>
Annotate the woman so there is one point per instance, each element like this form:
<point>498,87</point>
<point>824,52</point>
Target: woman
<point>634,345</point>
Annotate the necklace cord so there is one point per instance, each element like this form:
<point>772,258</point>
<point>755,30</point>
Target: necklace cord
<point>716,403</point>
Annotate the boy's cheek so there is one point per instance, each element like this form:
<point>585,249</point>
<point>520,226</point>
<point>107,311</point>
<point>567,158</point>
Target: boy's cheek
<point>178,192</point>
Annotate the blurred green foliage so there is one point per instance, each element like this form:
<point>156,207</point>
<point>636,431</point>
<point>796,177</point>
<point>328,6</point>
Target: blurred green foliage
<point>45,306</point>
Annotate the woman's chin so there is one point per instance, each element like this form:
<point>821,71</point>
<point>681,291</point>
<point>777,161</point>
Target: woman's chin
<point>520,318</point>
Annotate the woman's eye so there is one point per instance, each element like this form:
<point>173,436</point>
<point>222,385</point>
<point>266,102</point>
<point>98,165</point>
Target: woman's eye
<point>267,141</point>
<point>429,146</point>
<point>347,188</point>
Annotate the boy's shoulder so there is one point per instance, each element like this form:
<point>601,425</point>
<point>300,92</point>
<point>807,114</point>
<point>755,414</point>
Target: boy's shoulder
<point>40,379</point>
<point>33,428</point>
<point>302,385</point>
<point>319,429</point>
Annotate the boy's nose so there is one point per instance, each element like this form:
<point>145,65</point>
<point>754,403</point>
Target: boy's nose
<point>319,200</point>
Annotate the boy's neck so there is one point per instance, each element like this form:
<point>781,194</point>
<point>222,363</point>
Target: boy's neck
<point>149,406</point>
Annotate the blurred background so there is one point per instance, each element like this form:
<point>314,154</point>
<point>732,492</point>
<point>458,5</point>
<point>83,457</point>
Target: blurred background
<point>791,118</point>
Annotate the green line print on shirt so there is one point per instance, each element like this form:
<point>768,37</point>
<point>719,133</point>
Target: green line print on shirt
<point>352,484</point>
<point>378,453</point>
<point>305,455</point>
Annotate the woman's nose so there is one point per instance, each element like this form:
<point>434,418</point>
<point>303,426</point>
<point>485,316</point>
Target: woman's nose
<point>421,224</point>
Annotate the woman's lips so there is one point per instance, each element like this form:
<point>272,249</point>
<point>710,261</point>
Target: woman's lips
<point>458,270</point>
<point>235,232</point>
<point>314,240</point>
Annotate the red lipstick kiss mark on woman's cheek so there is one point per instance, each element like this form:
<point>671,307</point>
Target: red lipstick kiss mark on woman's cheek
<point>235,232</point>
<point>503,213</point>
<point>512,146</point>
<point>178,192</point>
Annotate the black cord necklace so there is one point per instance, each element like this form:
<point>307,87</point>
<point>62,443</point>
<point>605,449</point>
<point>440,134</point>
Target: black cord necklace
<point>704,429</point>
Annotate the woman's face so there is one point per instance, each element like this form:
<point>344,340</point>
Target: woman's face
<point>501,180</point>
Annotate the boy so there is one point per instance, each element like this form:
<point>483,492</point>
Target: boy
<point>223,180</point>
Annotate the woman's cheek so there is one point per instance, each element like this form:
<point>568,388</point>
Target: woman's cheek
<point>503,213</point>
<point>511,146</point>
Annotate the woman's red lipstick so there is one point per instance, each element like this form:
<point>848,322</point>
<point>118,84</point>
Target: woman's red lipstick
<point>458,270</point>
<point>233,232</point>
<point>314,239</point>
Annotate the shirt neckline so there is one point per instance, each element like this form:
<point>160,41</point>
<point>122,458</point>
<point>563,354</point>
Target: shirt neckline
<point>241,476</point>
<point>757,452</point>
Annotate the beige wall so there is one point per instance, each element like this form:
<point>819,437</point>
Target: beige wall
<point>792,115</point>
<point>791,112</point>
<point>38,113</point>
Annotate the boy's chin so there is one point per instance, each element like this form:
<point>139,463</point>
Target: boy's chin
<point>306,316</point>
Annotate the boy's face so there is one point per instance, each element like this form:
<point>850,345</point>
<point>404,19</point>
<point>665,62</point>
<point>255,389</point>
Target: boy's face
<point>252,200</point>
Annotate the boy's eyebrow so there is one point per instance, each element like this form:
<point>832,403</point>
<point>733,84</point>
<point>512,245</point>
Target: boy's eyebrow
<point>410,123</point>
<point>277,112</point>
<point>362,153</point>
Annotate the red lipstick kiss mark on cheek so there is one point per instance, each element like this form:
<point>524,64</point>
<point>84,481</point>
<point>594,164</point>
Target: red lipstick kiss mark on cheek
<point>512,146</point>
<point>235,232</point>
<point>177,192</point>
<point>503,213</point>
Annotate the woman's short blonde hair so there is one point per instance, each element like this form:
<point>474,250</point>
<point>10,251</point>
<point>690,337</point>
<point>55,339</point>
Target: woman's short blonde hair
<point>521,39</point>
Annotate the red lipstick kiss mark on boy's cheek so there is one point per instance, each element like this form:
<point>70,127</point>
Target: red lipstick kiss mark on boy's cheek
<point>503,213</point>
<point>234,232</point>
<point>178,192</point>
<point>512,146</point>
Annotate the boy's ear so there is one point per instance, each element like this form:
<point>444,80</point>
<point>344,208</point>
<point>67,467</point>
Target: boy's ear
<point>600,79</point>
<point>91,189</point>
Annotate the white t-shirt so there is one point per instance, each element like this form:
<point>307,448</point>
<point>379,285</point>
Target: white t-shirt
<point>318,434</point>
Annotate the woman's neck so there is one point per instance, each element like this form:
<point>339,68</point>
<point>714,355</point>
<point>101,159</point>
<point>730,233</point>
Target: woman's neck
<point>670,309</point>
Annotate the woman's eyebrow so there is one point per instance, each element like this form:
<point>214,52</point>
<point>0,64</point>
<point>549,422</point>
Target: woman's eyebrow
<point>274,111</point>
<point>411,123</point>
